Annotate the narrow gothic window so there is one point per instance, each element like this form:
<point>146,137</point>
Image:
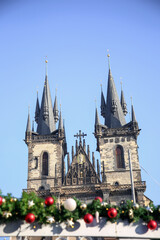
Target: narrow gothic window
<point>45,164</point>
<point>120,157</point>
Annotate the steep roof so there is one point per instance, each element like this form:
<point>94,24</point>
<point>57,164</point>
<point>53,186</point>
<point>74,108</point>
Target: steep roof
<point>114,116</point>
<point>46,122</point>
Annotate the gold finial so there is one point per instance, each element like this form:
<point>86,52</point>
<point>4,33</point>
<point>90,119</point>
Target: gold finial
<point>108,55</point>
<point>46,61</point>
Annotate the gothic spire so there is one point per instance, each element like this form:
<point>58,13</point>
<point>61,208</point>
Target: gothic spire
<point>123,103</point>
<point>114,116</point>
<point>28,128</point>
<point>133,115</point>
<point>97,121</point>
<point>103,104</point>
<point>60,126</point>
<point>37,111</point>
<point>55,109</point>
<point>46,122</point>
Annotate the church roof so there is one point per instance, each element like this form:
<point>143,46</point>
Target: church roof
<point>114,117</point>
<point>46,122</point>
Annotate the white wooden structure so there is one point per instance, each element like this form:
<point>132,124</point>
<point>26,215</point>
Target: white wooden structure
<point>119,230</point>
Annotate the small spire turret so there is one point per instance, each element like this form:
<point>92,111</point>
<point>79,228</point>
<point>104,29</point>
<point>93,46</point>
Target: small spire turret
<point>98,168</point>
<point>93,160</point>
<point>28,128</point>
<point>88,152</point>
<point>123,102</point>
<point>60,126</point>
<point>97,121</point>
<point>37,111</point>
<point>68,160</point>
<point>133,115</point>
<point>103,104</point>
<point>55,109</point>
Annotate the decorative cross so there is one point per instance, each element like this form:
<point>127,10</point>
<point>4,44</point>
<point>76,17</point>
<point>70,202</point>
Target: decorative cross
<point>80,135</point>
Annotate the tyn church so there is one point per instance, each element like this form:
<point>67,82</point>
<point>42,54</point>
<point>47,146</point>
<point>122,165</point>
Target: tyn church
<point>85,177</point>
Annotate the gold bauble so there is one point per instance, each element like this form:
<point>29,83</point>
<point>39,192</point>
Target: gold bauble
<point>83,206</point>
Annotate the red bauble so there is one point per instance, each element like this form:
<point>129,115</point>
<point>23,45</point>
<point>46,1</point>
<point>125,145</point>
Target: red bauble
<point>99,198</point>
<point>1,200</point>
<point>30,218</point>
<point>112,213</point>
<point>152,225</point>
<point>88,218</point>
<point>49,201</point>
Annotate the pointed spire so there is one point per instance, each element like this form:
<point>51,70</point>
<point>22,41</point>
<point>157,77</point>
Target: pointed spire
<point>28,128</point>
<point>45,106</point>
<point>33,126</point>
<point>93,160</point>
<point>98,168</point>
<point>68,161</point>
<point>123,102</point>
<point>114,116</point>
<point>55,108</point>
<point>88,152</point>
<point>72,152</point>
<point>60,126</point>
<point>97,121</point>
<point>103,104</point>
<point>46,122</point>
<point>133,115</point>
<point>37,111</point>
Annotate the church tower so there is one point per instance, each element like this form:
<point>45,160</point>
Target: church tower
<point>46,146</point>
<point>114,140</point>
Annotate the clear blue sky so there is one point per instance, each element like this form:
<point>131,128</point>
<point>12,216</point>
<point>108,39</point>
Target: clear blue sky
<point>75,35</point>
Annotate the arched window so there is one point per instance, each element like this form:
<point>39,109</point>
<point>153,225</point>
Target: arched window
<point>45,164</point>
<point>120,157</point>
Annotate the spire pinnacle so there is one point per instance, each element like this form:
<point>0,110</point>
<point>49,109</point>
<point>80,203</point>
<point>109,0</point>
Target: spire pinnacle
<point>133,119</point>
<point>28,128</point>
<point>46,122</point>
<point>55,109</point>
<point>46,61</point>
<point>123,103</point>
<point>60,126</point>
<point>97,121</point>
<point>103,103</point>
<point>114,116</point>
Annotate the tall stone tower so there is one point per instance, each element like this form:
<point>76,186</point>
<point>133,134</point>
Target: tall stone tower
<point>46,146</point>
<point>114,139</point>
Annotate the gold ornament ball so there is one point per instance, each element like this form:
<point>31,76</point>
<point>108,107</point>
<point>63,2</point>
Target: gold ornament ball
<point>136,206</point>
<point>83,206</point>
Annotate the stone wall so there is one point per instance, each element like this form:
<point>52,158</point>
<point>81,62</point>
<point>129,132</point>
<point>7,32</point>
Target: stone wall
<point>35,154</point>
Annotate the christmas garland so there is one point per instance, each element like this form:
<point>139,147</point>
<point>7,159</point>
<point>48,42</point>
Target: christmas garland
<point>32,208</point>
